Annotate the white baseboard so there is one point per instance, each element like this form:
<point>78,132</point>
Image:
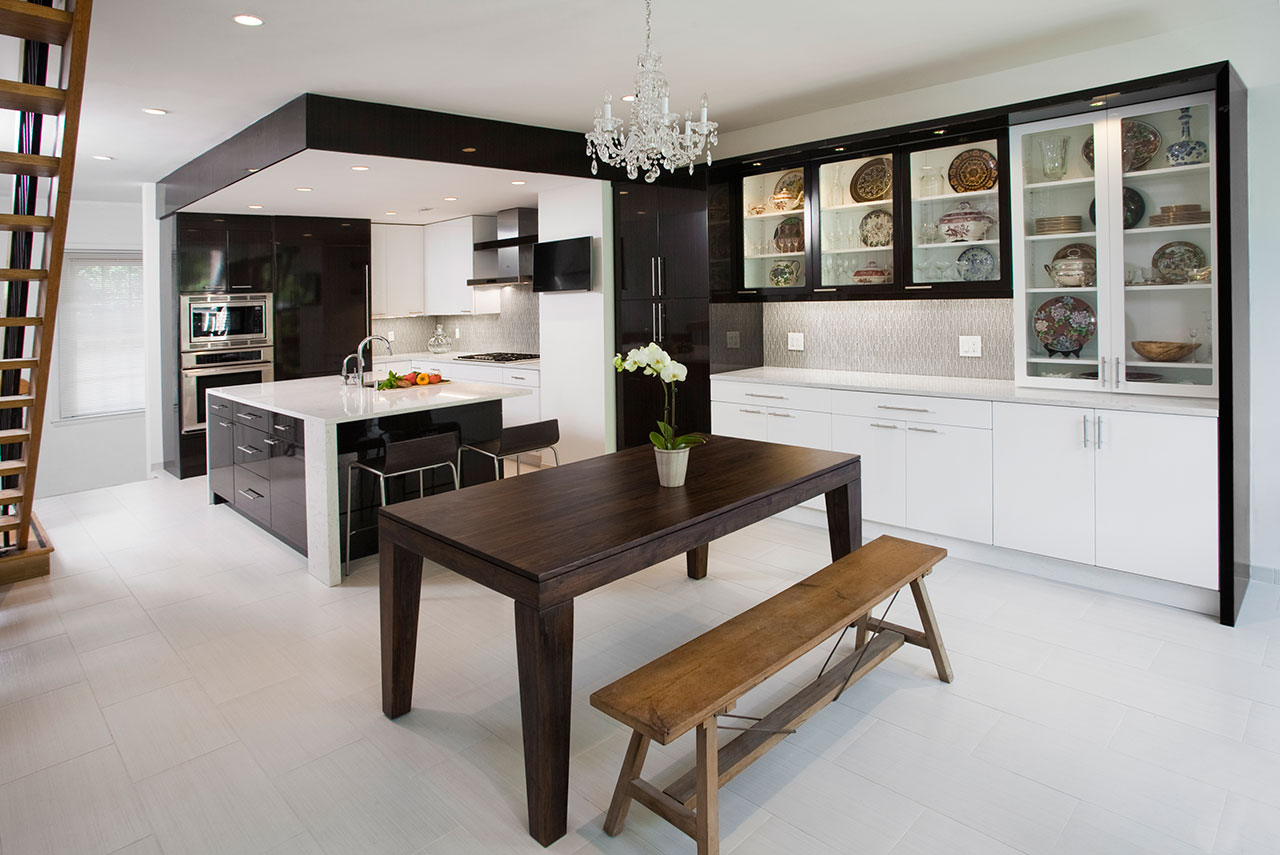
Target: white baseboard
<point>1189,597</point>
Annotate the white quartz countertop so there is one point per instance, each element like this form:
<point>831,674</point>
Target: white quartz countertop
<point>427,356</point>
<point>327,398</point>
<point>972,388</point>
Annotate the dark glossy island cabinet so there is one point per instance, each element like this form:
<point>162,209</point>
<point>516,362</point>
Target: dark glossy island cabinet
<point>257,462</point>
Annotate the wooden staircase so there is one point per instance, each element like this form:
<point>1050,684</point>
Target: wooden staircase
<point>42,202</point>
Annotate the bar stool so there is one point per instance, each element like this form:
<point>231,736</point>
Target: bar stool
<point>517,440</point>
<point>404,457</point>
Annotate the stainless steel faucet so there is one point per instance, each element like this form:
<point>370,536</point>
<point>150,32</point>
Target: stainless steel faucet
<point>348,376</point>
<point>369,340</point>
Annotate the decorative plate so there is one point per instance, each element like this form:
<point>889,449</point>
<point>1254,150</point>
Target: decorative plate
<point>1134,207</point>
<point>789,235</point>
<point>873,181</point>
<point>1076,250</point>
<point>976,264</point>
<point>1065,325</point>
<point>1174,261</point>
<point>784,274</point>
<point>1140,142</point>
<point>973,170</point>
<point>788,193</point>
<point>876,228</point>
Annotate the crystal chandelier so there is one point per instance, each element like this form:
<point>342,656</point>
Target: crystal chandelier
<point>655,138</point>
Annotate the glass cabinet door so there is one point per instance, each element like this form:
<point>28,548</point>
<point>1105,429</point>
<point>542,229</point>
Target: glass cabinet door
<point>774,230</point>
<point>1060,255</point>
<point>1165,164</point>
<point>955,213</point>
<point>855,204</point>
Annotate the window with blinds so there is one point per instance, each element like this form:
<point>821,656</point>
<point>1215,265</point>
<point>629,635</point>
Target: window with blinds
<point>100,360</point>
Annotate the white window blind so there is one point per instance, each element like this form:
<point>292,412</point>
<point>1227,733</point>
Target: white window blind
<point>100,359</point>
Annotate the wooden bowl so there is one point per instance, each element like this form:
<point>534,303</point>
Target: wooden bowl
<point>1163,351</point>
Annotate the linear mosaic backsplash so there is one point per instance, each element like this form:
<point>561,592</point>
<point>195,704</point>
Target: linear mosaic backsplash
<point>892,336</point>
<point>515,328</point>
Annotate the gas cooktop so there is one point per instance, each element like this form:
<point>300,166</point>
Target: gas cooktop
<point>501,356</point>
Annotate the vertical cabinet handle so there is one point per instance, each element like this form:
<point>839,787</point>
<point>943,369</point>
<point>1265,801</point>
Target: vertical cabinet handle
<point>1097,434</point>
<point>1119,377</point>
<point>662,276</point>
<point>1102,371</point>
<point>653,321</point>
<point>662,323</point>
<point>1084,425</point>
<point>653,276</point>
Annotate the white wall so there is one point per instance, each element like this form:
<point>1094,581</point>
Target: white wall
<point>82,454</point>
<point>576,327</point>
<point>1246,37</point>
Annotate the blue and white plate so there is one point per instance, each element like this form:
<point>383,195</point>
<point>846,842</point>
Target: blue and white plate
<point>976,264</point>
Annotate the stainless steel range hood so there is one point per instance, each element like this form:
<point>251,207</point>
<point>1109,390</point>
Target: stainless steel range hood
<point>517,233</point>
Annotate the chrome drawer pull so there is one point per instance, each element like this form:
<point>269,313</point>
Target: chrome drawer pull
<point>774,397</point>
<point>283,427</point>
<point>224,424</point>
<point>904,409</point>
<point>217,406</point>
<point>922,430</point>
<point>250,416</point>
<point>516,377</point>
<point>890,427</point>
<point>248,449</point>
<point>753,412</point>
<point>783,415</point>
<point>250,494</point>
<point>272,441</point>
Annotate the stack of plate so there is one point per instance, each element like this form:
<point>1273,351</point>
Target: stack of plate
<point>1179,215</point>
<point>1057,225</point>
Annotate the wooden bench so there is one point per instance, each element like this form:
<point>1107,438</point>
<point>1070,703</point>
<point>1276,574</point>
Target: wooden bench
<point>698,681</point>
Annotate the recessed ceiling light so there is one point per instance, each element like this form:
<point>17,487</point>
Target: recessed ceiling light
<point>940,131</point>
<point>1097,103</point>
<point>303,189</point>
<point>628,97</point>
<point>517,182</point>
<point>359,169</point>
<point>248,20</point>
<point>155,111</point>
<point>252,169</point>
<point>623,192</point>
<point>255,207</point>
<point>757,163</point>
<point>469,149</point>
<point>839,148</point>
<point>388,213</point>
<point>451,198</point>
<point>103,157</point>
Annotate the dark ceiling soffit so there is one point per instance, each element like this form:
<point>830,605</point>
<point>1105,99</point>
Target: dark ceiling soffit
<point>269,140</point>
<point>1159,86</point>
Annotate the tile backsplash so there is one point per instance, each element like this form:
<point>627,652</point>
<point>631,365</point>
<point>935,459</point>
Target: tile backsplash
<point>514,328</point>
<point>891,336</point>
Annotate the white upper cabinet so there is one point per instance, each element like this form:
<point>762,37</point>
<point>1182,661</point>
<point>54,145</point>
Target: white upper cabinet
<point>396,276</point>
<point>451,260</point>
<point>1114,241</point>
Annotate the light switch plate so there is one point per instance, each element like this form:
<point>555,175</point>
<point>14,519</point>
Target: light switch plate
<point>391,335</point>
<point>795,341</point>
<point>733,339</point>
<point>971,345</point>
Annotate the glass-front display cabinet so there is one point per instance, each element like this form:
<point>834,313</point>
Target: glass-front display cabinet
<point>955,214</point>
<point>856,220</point>
<point>774,231</point>
<point>1115,235</point>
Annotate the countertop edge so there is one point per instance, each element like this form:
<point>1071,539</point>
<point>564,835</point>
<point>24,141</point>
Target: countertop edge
<point>495,393</point>
<point>971,388</point>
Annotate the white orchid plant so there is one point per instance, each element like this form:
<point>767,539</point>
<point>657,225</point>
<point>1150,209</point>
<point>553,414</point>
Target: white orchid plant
<point>656,362</point>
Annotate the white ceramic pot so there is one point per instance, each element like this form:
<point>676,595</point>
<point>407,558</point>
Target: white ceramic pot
<point>672,466</point>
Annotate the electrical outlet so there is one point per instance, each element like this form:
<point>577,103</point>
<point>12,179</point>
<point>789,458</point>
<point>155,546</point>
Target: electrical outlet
<point>970,345</point>
<point>457,332</point>
<point>733,339</point>
<point>391,335</point>
<point>795,341</point>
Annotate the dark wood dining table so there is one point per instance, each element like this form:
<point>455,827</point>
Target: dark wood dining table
<point>548,536</point>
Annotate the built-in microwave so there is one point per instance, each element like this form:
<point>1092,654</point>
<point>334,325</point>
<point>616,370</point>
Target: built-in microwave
<point>214,321</point>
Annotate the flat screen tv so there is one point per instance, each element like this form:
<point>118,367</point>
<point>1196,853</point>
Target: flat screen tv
<point>562,265</point>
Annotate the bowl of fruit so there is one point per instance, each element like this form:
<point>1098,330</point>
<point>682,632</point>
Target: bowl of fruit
<point>410,380</point>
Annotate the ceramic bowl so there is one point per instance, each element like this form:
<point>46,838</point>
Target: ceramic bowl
<point>1073,272</point>
<point>1163,351</point>
<point>965,223</point>
<point>872,274</point>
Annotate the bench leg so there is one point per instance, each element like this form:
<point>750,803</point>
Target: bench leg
<point>708,803</point>
<point>931,634</point>
<point>860,633</point>
<point>632,765</point>
<point>696,561</point>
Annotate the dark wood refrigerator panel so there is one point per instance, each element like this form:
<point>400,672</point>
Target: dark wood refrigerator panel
<point>636,213</point>
<point>681,328</point>
<point>662,242</point>
<point>321,309</point>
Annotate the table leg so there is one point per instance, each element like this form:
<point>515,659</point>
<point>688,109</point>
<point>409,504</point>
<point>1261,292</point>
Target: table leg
<point>696,559</point>
<point>399,590</point>
<point>544,656</point>
<point>844,518</point>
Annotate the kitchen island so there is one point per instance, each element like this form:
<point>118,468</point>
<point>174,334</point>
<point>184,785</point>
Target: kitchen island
<point>275,450</point>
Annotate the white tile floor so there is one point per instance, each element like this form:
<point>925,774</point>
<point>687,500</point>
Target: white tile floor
<point>180,685</point>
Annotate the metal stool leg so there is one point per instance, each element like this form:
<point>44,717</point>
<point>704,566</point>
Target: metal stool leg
<point>555,455</point>
<point>347,567</point>
<point>457,485</point>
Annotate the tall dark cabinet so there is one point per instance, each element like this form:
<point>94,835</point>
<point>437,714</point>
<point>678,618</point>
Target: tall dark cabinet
<point>662,296</point>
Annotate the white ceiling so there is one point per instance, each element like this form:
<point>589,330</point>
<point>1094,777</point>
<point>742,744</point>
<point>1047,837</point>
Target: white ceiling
<point>390,184</point>
<point>544,62</point>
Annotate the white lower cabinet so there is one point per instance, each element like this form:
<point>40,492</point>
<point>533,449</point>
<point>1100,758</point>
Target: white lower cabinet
<point>805,428</point>
<point>1124,490</point>
<point>883,446</point>
<point>515,411</point>
<point>949,481</point>
<point>741,420</point>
